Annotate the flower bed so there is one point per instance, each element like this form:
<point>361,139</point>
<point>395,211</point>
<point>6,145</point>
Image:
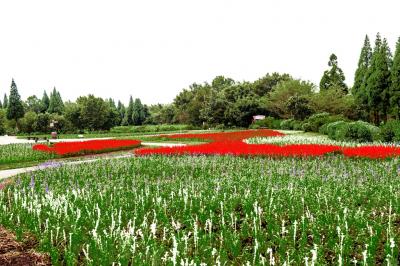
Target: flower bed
<point>87,147</point>
<point>232,143</point>
<point>228,136</point>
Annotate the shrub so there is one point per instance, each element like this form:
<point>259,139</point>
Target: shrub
<point>390,132</point>
<point>287,124</point>
<point>150,128</point>
<point>27,123</point>
<point>268,122</point>
<point>291,124</point>
<point>307,127</point>
<point>254,126</point>
<point>354,131</point>
<point>42,123</point>
<point>220,127</point>
<point>314,122</point>
<point>297,125</point>
<point>2,122</point>
<point>375,131</point>
<point>332,129</point>
<point>324,129</point>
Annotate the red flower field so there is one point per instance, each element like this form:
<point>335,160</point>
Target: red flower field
<point>231,143</point>
<point>87,147</point>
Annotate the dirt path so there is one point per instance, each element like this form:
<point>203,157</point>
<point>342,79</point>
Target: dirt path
<point>13,253</point>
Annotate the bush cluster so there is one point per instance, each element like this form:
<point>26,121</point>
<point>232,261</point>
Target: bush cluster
<point>358,131</point>
<point>150,128</point>
<point>268,122</point>
<point>390,132</point>
<point>291,124</point>
<point>316,121</point>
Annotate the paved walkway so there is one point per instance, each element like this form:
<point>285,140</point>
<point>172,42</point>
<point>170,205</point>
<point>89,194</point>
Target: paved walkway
<point>12,172</point>
<point>4,140</point>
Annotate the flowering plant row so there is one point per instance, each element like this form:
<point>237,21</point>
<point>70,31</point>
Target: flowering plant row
<point>87,147</point>
<point>232,143</point>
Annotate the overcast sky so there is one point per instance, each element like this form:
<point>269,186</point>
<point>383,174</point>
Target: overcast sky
<point>153,49</point>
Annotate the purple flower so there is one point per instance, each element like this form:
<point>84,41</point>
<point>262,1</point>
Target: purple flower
<point>49,164</point>
<point>32,184</point>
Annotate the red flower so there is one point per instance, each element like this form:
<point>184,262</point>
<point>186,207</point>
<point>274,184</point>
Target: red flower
<point>373,152</point>
<point>87,147</point>
<point>231,143</point>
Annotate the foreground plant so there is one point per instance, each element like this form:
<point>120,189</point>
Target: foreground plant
<point>211,210</point>
<point>19,153</point>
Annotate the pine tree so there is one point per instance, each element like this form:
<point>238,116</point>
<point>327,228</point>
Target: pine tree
<point>138,113</point>
<point>5,101</point>
<point>378,80</point>
<point>15,109</point>
<point>334,77</point>
<point>127,121</point>
<point>1,105</point>
<point>121,110</point>
<point>113,118</point>
<point>364,62</point>
<point>45,102</point>
<point>386,68</point>
<point>395,82</point>
<point>56,104</point>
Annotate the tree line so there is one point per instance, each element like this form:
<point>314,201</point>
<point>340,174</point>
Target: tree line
<point>374,97</point>
<point>51,113</point>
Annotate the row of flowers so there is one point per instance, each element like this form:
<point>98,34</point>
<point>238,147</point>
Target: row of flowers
<point>87,147</point>
<point>301,138</point>
<point>232,143</point>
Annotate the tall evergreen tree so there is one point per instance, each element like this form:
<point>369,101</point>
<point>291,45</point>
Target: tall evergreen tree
<point>334,77</point>
<point>121,110</point>
<point>45,102</point>
<point>387,55</point>
<point>113,116</point>
<point>1,105</point>
<point>127,121</point>
<point>364,61</point>
<point>378,80</point>
<point>5,101</point>
<point>15,108</point>
<point>138,114</point>
<point>56,104</point>
<point>395,82</point>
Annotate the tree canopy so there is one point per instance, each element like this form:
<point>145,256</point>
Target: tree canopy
<point>333,77</point>
<point>15,109</point>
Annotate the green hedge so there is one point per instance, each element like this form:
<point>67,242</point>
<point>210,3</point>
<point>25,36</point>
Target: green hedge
<point>316,121</point>
<point>390,132</point>
<point>268,122</point>
<point>358,131</point>
<point>291,124</point>
<point>150,128</point>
